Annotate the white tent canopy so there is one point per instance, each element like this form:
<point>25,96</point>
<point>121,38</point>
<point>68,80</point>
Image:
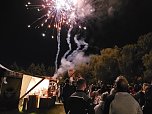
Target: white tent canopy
<point>29,81</point>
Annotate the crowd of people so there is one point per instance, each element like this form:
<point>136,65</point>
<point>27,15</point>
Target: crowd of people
<point>119,98</point>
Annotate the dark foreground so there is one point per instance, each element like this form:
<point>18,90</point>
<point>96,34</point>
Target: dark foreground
<point>57,109</point>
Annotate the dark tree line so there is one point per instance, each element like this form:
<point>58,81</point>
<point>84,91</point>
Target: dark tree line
<point>35,69</point>
<point>131,60</point>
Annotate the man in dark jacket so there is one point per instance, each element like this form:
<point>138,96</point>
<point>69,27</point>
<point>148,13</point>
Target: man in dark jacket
<point>140,95</point>
<point>66,93</point>
<point>79,102</point>
<point>147,109</point>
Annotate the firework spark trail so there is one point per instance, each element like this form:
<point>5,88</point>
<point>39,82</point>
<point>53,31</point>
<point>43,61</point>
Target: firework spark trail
<point>77,42</point>
<point>68,41</point>
<point>58,51</point>
<point>78,49</point>
<point>59,13</point>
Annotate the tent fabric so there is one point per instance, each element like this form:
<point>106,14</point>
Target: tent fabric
<point>25,83</point>
<point>29,81</point>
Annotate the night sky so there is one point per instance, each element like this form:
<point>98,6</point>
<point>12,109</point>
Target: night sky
<point>24,46</point>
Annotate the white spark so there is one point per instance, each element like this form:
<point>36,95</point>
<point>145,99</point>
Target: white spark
<point>43,34</point>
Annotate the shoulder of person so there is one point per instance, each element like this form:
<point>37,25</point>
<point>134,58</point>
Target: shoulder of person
<point>110,97</point>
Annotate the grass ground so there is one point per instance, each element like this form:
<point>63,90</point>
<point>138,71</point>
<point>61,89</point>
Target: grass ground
<point>57,109</point>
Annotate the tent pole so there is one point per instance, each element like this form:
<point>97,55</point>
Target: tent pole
<point>32,88</point>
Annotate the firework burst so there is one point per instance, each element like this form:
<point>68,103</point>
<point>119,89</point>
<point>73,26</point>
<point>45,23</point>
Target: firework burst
<point>58,13</point>
<point>61,12</point>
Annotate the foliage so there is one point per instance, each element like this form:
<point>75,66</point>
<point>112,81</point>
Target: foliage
<point>85,71</point>
<point>147,60</point>
<point>125,61</point>
<point>33,69</point>
<point>107,67</point>
<point>145,43</point>
<point>101,67</point>
<point>132,61</point>
<point>50,71</point>
<point>128,61</point>
<point>15,67</point>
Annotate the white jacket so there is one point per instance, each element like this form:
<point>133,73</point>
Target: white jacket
<point>124,103</point>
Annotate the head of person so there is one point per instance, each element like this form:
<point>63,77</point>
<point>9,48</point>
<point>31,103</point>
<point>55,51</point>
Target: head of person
<point>145,86</point>
<point>99,91</point>
<point>81,84</point>
<point>121,84</point>
<point>104,96</point>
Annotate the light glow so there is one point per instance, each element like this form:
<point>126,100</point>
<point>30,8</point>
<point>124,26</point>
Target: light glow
<point>40,89</point>
<point>61,12</point>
